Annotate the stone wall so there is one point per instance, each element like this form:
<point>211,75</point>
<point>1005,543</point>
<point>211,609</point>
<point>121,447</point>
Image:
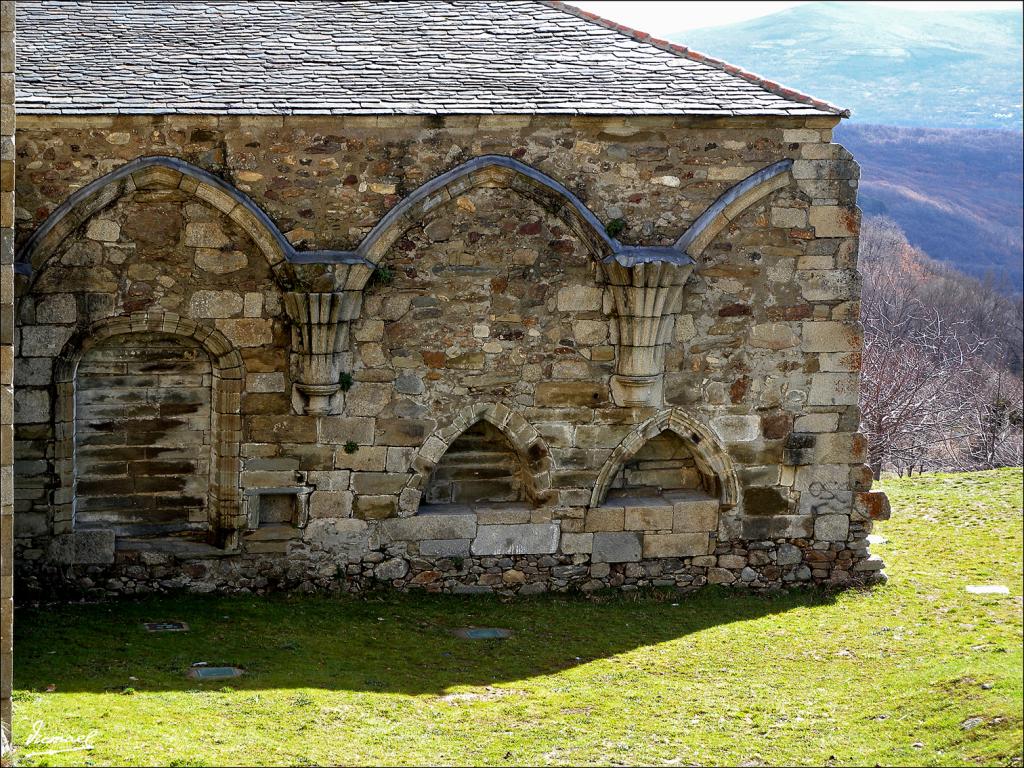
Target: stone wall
<point>6,362</point>
<point>615,419</point>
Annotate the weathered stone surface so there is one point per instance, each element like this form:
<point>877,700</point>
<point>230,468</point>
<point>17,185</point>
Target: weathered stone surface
<point>377,507</point>
<point>832,527</point>
<point>325,504</point>
<point>94,547</point>
<point>872,505</point>
<point>788,555</point>
<point>577,543</point>
<point>605,519</point>
<point>345,539</point>
<point>737,429</point>
<point>392,569</point>
<point>827,336</point>
<point>647,514</point>
<point>539,539</point>
<point>445,547</point>
<point>489,301</point>
<point>624,547</point>
<point>430,527</point>
<point>675,544</point>
<point>764,501</point>
<point>720,576</point>
<point>692,513</point>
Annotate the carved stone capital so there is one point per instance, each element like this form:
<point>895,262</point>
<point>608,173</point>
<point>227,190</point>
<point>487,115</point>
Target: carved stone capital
<point>646,298</point>
<point>320,344</point>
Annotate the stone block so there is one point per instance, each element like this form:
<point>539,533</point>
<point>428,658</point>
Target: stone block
<point>834,389</point>
<point>605,519</point>
<point>347,539</point>
<point>280,429</point>
<point>266,382</point>
<point>31,406</point>
<point>248,331</point>
<point>816,422</point>
<point>789,555</point>
<point>364,458</point>
<point>675,544</point>
<point>57,308</point>
<point>499,514</point>
<point>647,514</point>
<point>531,539</point>
<point>94,547</point>
<point>375,507</point>
<point>44,340</point>
<point>103,231</point>
<point>339,430</point>
<point>870,564</point>
<point>220,262</point>
<point>693,513</point>
<point>778,527</point>
<point>216,304</point>
<point>789,218</point>
<point>324,504</point>
<point>568,393</point>
<point>833,221</point>
<point>390,570</point>
<point>720,576</point>
<point>577,543</point>
<point>378,483</point>
<point>737,429</point>
<point>765,501</point>
<point>841,448</point>
<point>367,398</point>
<point>205,235</point>
<point>871,505</point>
<point>831,336</point>
<point>431,526</point>
<point>626,547</point>
<point>832,527</point>
<point>445,547</point>
<point>399,432</point>
<point>579,298</point>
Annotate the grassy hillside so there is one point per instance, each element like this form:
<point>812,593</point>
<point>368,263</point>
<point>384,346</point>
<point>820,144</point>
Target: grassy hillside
<point>918,672</point>
<point>895,66</point>
<point>957,194</point>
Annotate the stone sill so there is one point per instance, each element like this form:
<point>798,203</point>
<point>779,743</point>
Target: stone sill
<point>181,549</point>
<point>474,509</point>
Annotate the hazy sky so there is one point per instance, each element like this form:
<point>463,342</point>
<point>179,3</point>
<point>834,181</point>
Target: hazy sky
<point>664,18</point>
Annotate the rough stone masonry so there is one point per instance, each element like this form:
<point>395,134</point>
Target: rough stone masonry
<point>514,352</point>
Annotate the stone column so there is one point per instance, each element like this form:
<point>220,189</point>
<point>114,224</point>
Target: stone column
<point>320,331</point>
<point>6,364</point>
<point>647,296</point>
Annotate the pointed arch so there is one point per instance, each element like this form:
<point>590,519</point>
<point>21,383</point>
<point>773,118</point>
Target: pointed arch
<point>710,454</point>
<point>488,171</point>
<point>226,515</point>
<point>160,172</point>
<point>733,202</point>
<point>525,440</point>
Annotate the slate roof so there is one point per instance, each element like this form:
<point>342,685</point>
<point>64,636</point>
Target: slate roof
<point>367,57</point>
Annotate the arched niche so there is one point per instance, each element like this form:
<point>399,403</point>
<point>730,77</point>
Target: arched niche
<point>710,459</point>
<point>510,438</point>
<point>148,331</point>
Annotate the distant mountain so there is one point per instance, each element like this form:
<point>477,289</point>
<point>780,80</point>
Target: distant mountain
<point>958,194</point>
<point>892,66</point>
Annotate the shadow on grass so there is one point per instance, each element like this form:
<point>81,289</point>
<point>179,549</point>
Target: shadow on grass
<point>387,643</point>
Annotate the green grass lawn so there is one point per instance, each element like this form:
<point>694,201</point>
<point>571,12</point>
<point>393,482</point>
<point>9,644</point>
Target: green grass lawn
<point>917,672</point>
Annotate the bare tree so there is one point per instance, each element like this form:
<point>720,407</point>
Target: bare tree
<point>937,380</point>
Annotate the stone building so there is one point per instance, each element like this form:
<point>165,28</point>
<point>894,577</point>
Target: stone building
<point>465,297</point>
